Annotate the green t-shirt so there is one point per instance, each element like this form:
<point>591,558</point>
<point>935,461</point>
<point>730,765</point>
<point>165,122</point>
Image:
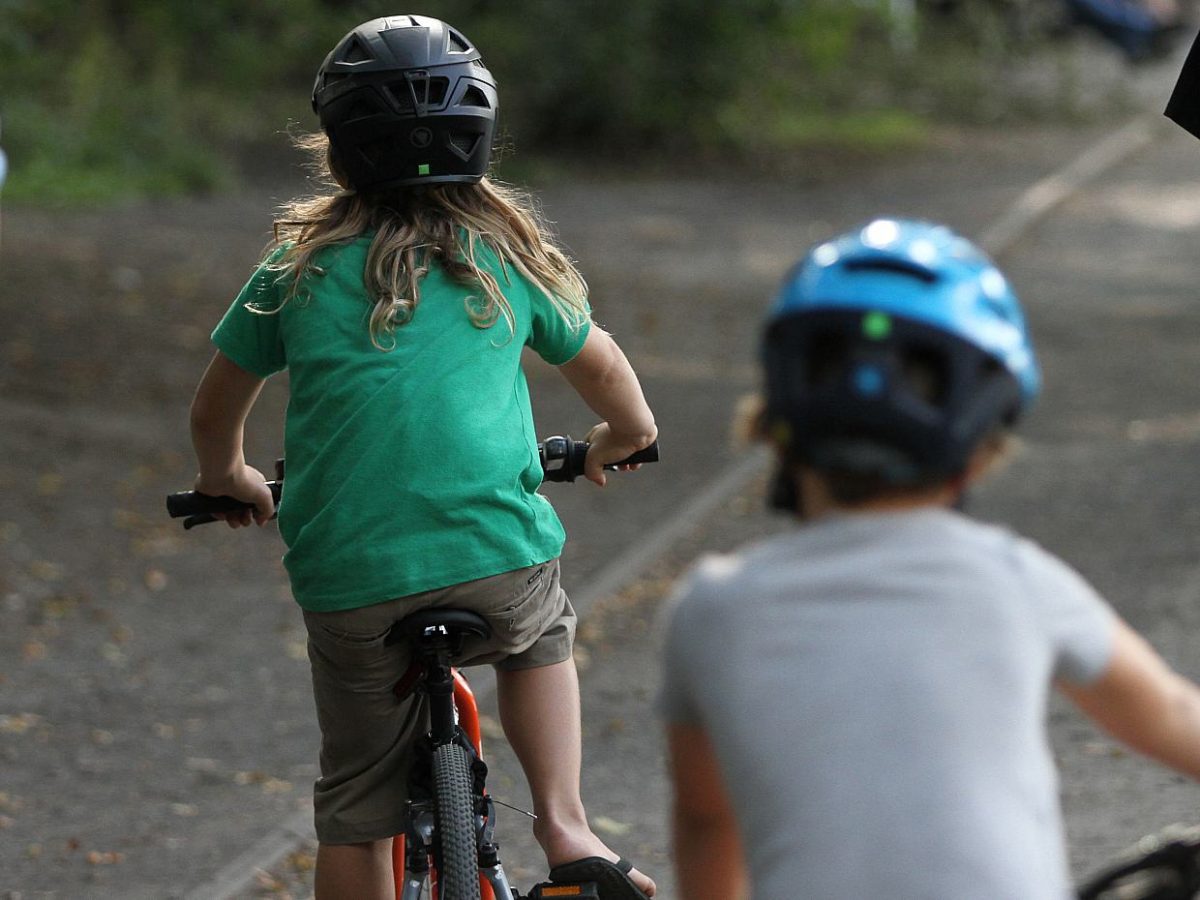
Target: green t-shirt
<point>409,469</point>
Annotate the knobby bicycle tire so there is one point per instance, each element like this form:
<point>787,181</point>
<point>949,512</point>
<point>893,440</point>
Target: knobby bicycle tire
<point>458,867</point>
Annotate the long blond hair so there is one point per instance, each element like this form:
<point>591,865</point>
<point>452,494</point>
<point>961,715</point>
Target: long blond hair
<point>414,227</point>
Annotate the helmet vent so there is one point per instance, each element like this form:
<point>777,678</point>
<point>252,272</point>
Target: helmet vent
<point>435,91</point>
<point>463,143</point>
<point>418,91</point>
<point>356,52</point>
<point>473,96</point>
<point>458,42</point>
<point>892,266</point>
<point>926,373</point>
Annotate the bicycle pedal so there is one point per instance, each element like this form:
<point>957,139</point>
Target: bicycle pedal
<point>586,890</point>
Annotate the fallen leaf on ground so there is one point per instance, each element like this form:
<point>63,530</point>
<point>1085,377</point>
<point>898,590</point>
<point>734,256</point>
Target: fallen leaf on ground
<point>104,858</point>
<point>18,724</point>
<point>610,826</point>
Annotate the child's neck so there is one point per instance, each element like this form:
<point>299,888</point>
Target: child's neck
<point>819,503</point>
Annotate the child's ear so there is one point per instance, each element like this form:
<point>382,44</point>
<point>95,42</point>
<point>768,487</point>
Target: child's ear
<point>750,420</point>
<point>991,454</point>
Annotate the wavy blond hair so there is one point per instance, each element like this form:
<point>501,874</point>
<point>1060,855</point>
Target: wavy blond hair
<point>415,227</point>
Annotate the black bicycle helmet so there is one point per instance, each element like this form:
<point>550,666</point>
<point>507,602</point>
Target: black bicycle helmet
<point>891,350</point>
<point>406,100</point>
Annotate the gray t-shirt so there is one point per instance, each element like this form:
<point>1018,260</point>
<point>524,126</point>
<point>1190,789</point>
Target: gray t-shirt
<point>875,689</point>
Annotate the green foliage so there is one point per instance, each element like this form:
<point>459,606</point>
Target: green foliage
<point>108,99</point>
<point>128,97</point>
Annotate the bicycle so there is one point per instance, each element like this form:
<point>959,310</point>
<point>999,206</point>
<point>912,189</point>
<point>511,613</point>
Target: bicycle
<point>448,844</point>
<point>1162,866</point>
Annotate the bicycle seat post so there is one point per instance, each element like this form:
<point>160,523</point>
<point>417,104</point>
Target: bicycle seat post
<point>437,646</point>
<point>438,636</point>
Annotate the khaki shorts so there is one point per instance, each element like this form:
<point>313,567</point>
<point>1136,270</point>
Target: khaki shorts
<point>368,735</point>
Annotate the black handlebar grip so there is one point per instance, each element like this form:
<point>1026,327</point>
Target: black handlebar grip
<point>645,455</point>
<point>193,503</point>
<point>563,458</point>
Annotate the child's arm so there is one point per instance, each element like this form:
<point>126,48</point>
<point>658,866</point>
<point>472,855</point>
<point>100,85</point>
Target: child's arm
<point>602,376</point>
<point>708,852</point>
<point>1143,703</point>
<point>223,401</point>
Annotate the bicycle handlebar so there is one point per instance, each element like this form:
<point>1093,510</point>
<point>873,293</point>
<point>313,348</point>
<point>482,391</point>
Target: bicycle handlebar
<point>1163,866</point>
<point>196,504</point>
<point>562,460</point>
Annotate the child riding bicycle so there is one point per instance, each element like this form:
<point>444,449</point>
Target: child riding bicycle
<point>876,725</point>
<point>399,303</point>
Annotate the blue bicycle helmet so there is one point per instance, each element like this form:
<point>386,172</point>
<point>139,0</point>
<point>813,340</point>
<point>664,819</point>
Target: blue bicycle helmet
<point>892,350</point>
<point>406,100</point>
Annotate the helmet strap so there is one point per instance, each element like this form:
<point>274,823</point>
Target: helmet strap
<point>785,494</point>
<point>959,484</point>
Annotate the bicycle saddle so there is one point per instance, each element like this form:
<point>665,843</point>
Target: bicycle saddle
<point>457,622</point>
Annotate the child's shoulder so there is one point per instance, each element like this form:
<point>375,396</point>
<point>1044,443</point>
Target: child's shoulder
<point>492,260</point>
<point>1041,571</point>
<point>352,250</point>
<point>997,541</point>
<point>705,581</point>
<point>926,535</point>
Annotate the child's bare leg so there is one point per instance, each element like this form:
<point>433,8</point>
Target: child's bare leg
<point>355,871</point>
<point>551,759</point>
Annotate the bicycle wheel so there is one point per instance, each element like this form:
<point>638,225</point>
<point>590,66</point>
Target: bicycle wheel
<point>458,866</point>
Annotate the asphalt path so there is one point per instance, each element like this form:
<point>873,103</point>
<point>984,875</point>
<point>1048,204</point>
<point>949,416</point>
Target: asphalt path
<point>156,731</point>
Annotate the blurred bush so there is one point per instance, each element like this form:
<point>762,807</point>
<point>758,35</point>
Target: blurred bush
<point>123,97</point>
<point>129,97</point>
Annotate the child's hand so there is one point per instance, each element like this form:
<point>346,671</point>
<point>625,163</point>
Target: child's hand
<point>609,447</point>
<point>246,484</point>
